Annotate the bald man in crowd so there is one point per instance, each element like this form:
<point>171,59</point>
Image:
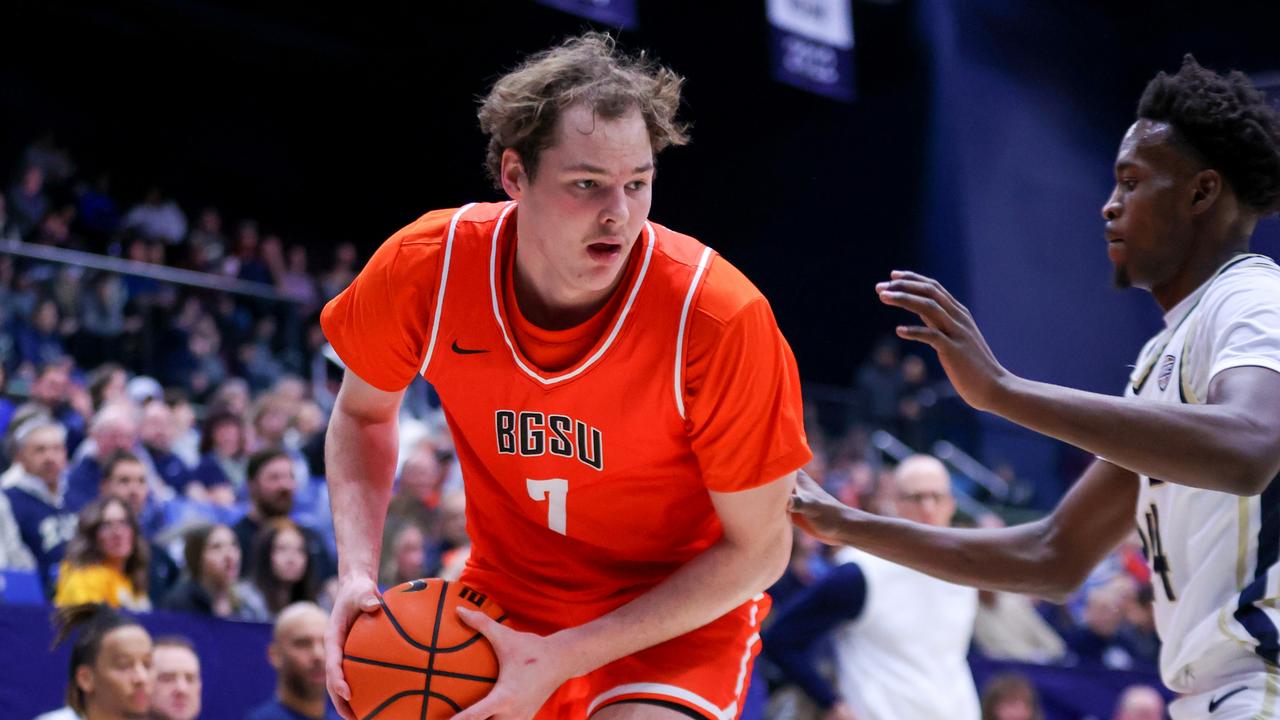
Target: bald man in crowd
<point>1140,702</point>
<point>900,636</point>
<point>297,653</point>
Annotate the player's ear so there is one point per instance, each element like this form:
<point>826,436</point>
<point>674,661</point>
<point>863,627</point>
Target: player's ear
<point>514,176</point>
<point>84,679</point>
<point>273,655</point>
<point>1206,186</point>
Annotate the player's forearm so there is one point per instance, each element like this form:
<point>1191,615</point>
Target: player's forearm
<point>1019,559</point>
<point>1206,446</point>
<point>718,580</point>
<point>360,460</point>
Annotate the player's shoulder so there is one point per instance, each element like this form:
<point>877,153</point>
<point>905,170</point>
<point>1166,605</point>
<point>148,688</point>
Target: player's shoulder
<point>1246,281</point>
<point>725,291</point>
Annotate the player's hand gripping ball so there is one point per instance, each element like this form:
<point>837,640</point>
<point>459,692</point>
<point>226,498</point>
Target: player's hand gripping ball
<point>415,658</point>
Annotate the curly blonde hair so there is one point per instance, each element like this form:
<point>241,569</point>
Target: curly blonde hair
<point>522,109</point>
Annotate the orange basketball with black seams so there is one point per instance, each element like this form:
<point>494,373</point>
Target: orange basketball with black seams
<point>415,658</point>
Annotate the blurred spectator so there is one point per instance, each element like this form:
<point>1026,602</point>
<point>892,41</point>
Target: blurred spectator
<point>1008,627</point>
<point>97,213</point>
<point>14,554</point>
<point>112,430</point>
<point>405,556</point>
<point>416,499</point>
<point>36,492</point>
<point>125,476</point>
<point>38,341</point>
<point>223,460</point>
<point>212,585</point>
<point>232,396</point>
<point>156,431</point>
<point>68,404</point>
<point>208,244</point>
<point>186,438</point>
<point>1010,696</point>
<point>27,200</point>
<point>916,400</point>
<point>157,218</point>
<point>178,684</point>
<point>271,491</point>
<point>107,560</point>
<point>297,283</point>
<point>111,673</point>
<point>107,384</point>
<point>297,654</point>
<point>878,385</point>
<point>247,262</point>
<point>454,546</point>
<point>1140,702</point>
<point>342,272</point>
<point>279,567</point>
<point>103,317</point>
<point>1098,641</point>
<point>885,615</point>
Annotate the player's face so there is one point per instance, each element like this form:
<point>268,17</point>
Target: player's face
<point>119,683</point>
<point>177,683</point>
<point>1148,215</point>
<point>586,205</point>
<point>128,481</point>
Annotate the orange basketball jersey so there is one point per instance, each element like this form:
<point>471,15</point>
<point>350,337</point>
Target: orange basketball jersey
<point>589,484</point>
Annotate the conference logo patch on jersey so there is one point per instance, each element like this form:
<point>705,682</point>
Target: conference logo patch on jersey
<point>532,434</point>
<point>1166,371</point>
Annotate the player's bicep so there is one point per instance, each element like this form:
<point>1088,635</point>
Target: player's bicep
<point>756,517</point>
<point>361,401</point>
<point>1253,393</point>
<point>1096,514</point>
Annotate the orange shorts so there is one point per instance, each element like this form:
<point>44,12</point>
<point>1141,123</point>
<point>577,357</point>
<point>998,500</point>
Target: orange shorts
<point>706,670</point>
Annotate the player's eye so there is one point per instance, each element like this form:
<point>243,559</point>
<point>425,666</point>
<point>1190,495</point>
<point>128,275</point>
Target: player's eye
<point>1129,184</point>
<point>585,184</point>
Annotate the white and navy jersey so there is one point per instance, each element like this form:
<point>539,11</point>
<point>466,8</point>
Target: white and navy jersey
<point>1213,555</point>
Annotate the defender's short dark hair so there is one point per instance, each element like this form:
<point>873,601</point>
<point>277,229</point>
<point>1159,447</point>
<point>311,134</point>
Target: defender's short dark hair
<point>1227,122</point>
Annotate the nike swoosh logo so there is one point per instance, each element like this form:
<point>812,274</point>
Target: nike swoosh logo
<point>465,351</point>
<point>1214,703</point>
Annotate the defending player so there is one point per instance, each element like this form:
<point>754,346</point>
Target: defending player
<point>625,411</point>
<point>1195,444</point>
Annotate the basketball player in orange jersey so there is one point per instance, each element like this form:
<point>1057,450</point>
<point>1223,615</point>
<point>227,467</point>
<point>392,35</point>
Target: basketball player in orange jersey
<point>626,413</point>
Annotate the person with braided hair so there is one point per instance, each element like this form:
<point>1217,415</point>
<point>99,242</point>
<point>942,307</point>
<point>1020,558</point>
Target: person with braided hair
<point>110,674</point>
<point>1194,446</point>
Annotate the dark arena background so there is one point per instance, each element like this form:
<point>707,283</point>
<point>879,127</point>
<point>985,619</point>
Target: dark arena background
<point>971,140</point>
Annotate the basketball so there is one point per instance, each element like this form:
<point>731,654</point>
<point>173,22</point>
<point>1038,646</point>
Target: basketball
<point>415,658</point>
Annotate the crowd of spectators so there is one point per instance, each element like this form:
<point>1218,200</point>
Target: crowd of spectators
<point>162,443</point>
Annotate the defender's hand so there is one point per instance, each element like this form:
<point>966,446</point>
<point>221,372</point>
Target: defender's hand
<point>950,330</point>
<point>529,670</point>
<point>816,511</point>
<point>355,595</point>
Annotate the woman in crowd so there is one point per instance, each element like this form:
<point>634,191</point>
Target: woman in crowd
<point>405,557</point>
<point>212,585</point>
<point>107,560</point>
<point>280,569</point>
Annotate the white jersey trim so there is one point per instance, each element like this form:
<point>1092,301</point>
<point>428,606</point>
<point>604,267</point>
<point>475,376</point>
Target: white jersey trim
<point>672,691</point>
<point>444,280</point>
<point>613,334</point>
<point>703,260</point>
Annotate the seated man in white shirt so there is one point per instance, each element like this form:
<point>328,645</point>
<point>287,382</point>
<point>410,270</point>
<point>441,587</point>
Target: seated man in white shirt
<point>900,636</point>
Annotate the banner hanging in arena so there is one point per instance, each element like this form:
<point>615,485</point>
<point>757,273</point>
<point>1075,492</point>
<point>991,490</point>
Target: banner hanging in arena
<point>812,45</point>
<point>618,13</point>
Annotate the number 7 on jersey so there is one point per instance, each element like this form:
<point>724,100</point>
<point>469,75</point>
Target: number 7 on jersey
<point>556,494</point>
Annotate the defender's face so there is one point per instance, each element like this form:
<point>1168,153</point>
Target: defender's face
<point>1148,215</point>
<point>588,201</point>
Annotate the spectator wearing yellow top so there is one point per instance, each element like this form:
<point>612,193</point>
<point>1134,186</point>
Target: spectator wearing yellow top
<point>106,560</point>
